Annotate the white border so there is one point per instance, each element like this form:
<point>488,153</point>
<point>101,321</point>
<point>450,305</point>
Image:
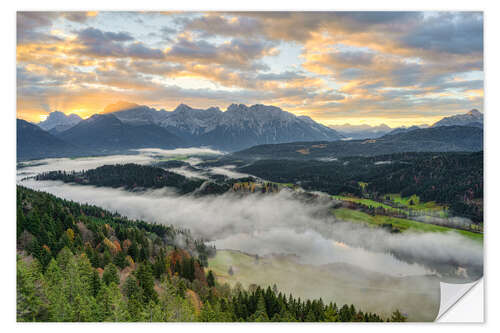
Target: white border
<point>7,135</point>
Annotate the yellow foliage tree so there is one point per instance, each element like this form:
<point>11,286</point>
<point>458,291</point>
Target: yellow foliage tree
<point>70,233</point>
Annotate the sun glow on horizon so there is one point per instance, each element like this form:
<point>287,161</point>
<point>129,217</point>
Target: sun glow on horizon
<point>329,70</point>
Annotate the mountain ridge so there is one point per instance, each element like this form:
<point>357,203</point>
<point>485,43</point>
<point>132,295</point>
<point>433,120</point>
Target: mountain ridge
<point>33,142</point>
<point>472,118</point>
<point>239,127</point>
<point>105,132</point>
<point>433,139</point>
<point>58,121</point>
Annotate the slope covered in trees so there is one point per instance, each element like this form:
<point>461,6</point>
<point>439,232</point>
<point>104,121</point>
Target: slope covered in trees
<point>129,176</point>
<point>133,176</point>
<point>435,139</point>
<point>453,179</point>
<point>81,263</point>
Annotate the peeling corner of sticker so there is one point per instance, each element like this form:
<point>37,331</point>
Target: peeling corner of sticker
<point>451,293</point>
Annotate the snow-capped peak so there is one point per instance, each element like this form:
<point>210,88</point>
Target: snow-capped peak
<point>59,121</point>
<point>471,118</point>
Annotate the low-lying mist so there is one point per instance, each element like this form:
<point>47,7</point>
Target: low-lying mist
<point>281,223</point>
<point>141,156</point>
<point>265,224</point>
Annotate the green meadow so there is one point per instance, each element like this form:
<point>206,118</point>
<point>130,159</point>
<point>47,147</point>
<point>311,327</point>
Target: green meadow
<point>398,223</point>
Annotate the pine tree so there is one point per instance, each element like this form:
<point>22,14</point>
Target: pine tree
<point>210,279</point>
<point>95,283</point>
<point>30,306</point>
<point>110,275</point>
<point>398,317</point>
<point>260,314</point>
<point>145,278</point>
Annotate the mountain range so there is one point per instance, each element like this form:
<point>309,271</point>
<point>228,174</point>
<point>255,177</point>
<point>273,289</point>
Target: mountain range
<point>125,126</point>
<point>238,127</point>
<point>353,132</point>
<point>472,118</point>
<point>433,139</point>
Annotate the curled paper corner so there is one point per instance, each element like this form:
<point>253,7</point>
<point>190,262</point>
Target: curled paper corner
<point>451,293</point>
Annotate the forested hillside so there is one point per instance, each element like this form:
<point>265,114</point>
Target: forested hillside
<point>81,263</point>
<point>453,179</point>
<point>134,176</point>
<point>126,175</point>
<point>435,139</point>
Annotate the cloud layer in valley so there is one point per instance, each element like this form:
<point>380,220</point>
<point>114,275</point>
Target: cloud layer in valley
<point>266,224</point>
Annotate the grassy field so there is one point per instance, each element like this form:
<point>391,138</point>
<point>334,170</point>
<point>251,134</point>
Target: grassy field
<point>415,203</point>
<point>399,223</point>
<point>365,202</point>
<point>289,185</point>
<point>338,282</point>
<point>412,202</point>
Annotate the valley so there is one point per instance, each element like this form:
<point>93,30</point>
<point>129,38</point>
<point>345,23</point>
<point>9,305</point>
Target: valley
<point>314,235</point>
<point>360,221</point>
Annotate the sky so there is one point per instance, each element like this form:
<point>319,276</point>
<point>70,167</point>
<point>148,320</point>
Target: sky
<point>397,68</point>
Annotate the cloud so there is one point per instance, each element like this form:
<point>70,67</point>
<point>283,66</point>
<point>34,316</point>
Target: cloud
<point>238,53</point>
<point>354,65</point>
<point>92,36</point>
<point>233,25</point>
<point>283,76</point>
<point>460,33</point>
<point>32,26</point>
<point>111,44</point>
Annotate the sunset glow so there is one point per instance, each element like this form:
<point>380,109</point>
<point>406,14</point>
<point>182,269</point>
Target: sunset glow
<point>397,68</point>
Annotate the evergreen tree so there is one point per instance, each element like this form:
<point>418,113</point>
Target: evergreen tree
<point>110,275</point>
<point>210,279</point>
<point>95,283</point>
<point>145,278</point>
<point>261,313</point>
